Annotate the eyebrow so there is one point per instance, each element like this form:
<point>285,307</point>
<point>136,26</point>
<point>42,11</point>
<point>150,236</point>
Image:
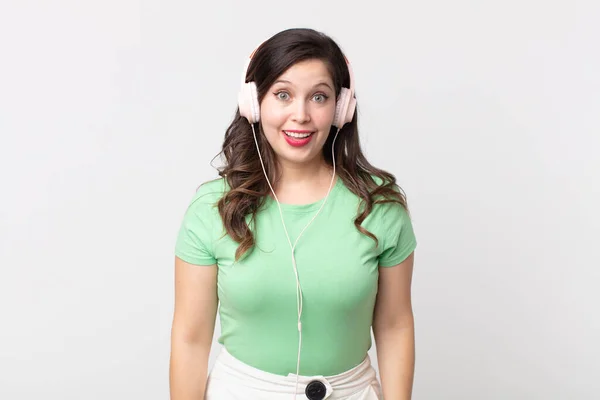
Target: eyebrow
<point>317,85</point>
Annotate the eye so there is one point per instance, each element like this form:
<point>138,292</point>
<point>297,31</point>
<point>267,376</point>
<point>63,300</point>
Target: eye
<point>320,98</point>
<point>281,95</point>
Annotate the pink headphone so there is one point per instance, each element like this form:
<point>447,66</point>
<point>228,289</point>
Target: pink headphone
<point>249,107</point>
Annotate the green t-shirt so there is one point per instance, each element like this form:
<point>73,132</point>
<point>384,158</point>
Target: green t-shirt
<point>338,272</point>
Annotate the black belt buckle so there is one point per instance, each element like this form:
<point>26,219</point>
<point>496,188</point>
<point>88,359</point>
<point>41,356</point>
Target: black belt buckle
<point>315,390</point>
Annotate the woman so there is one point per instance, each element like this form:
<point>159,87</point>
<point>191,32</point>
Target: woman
<point>304,255</point>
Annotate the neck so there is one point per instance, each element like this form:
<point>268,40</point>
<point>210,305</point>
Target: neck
<point>314,174</point>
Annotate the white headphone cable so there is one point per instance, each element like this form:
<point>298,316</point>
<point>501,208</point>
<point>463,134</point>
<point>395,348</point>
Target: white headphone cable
<point>293,247</point>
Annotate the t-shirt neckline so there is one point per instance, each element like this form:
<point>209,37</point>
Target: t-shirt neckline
<point>302,208</point>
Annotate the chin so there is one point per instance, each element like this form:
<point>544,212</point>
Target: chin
<point>295,159</point>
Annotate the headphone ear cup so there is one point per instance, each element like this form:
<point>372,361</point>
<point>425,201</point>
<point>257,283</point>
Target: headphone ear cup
<point>341,108</point>
<point>351,109</point>
<point>248,102</point>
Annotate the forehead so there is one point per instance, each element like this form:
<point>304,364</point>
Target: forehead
<point>307,72</point>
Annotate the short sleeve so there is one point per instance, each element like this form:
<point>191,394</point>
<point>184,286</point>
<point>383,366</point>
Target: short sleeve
<point>194,243</point>
<point>398,239</point>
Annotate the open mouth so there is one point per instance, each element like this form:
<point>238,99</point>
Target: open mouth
<point>298,139</point>
<point>298,135</point>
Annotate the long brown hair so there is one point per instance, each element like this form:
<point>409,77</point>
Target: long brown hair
<point>242,169</point>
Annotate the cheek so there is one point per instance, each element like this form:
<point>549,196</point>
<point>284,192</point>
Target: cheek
<point>270,115</point>
<point>323,117</point>
<point>271,120</point>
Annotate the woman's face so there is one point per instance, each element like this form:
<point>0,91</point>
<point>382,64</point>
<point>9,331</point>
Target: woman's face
<point>297,113</point>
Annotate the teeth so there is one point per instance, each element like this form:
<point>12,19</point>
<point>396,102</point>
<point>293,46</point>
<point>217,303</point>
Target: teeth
<point>297,135</point>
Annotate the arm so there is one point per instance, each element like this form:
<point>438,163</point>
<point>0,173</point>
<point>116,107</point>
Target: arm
<point>393,328</point>
<point>192,329</point>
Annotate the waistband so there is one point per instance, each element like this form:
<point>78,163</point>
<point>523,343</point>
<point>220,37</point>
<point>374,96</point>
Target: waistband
<point>233,371</point>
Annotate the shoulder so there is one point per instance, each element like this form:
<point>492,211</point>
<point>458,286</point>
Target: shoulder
<point>387,183</point>
<point>200,225</point>
<point>207,195</point>
<point>388,211</point>
<point>210,192</point>
<point>385,202</point>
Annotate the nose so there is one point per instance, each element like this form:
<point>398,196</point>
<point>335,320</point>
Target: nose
<point>301,112</point>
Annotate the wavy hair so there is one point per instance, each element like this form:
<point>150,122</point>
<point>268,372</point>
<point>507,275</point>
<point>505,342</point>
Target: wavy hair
<point>248,187</point>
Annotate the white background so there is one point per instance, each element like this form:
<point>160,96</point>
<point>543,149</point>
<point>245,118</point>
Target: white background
<point>488,113</point>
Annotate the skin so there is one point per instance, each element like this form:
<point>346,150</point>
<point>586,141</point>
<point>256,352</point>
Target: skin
<point>393,329</point>
<point>302,98</point>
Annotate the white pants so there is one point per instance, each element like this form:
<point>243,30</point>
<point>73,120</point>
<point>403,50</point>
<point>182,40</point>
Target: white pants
<point>230,379</point>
